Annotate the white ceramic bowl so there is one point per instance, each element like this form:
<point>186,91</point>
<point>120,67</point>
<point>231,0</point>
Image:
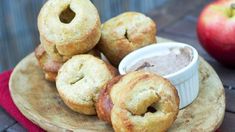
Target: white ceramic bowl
<point>185,80</point>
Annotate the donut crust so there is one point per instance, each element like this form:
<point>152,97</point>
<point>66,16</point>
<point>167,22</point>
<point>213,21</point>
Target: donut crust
<point>80,80</point>
<point>104,104</point>
<point>63,40</point>
<point>46,63</point>
<point>139,101</point>
<point>125,33</point>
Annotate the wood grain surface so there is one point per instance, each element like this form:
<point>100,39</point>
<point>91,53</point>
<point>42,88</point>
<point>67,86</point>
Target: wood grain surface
<point>175,19</point>
<point>39,101</point>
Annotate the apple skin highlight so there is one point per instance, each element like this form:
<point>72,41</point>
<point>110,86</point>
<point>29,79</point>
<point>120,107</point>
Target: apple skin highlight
<point>216,31</point>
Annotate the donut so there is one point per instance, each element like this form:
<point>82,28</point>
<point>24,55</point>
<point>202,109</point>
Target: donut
<point>138,101</point>
<point>124,34</point>
<point>79,81</point>
<point>68,27</point>
<point>95,53</point>
<point>49,66</point>
<point>104,104</point>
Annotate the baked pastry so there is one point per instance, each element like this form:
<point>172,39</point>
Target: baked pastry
<point>125,33</point>
<point>95,53</point>
<point>79,81</point>
<point>49,66</point>
<point>139,101</point>
<point>66,28</point>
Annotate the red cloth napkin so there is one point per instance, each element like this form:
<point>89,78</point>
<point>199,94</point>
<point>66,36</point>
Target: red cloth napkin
<point>9,106</point>
<point>7,103</point>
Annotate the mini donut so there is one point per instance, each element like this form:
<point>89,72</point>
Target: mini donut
<point>49,66</point>
<point>79,81</point>
<point>104,104</point>
<point>68,27</point>
<point>125,33</point>
<point>138,101</point>
<point>95,53</point>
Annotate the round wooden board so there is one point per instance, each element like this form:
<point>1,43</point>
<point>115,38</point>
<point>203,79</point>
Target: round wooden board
<point>39,101</point>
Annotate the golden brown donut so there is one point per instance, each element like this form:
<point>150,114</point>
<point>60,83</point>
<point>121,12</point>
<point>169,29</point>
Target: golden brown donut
<point>68,27</point>
<point>49,66</point>
<point>79,81</point>
<point>125,33</point>
<point>139,101</point>
<point>104,104</point>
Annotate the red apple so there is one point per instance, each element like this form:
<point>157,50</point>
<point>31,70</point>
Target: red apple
<point>216,31</point>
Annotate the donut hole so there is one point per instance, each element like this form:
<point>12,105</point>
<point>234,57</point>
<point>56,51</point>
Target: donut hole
<point>151,109</point>
<point>67,15</point>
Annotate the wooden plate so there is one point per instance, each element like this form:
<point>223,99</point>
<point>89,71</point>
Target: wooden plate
<point>39,101</point>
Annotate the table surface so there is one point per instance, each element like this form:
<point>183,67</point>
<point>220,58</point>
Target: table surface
<point>177,23</point>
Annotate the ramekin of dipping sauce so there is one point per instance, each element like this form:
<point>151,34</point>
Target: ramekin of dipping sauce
<point>178,62</point>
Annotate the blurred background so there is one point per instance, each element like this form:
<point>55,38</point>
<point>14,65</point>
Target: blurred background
<point>18,21</point>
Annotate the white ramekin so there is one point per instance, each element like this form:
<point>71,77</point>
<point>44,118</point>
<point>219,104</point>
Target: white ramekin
<point>185,80</point>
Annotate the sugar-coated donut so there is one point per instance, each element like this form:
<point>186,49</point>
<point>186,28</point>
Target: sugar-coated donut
<point>68,27</point>
<point>138,101</point>
<point>49,66</point>
<point>124,33</point>
<point>79,81</point>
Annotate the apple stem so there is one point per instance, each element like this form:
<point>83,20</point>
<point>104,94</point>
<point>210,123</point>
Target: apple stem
<point>233,6</point>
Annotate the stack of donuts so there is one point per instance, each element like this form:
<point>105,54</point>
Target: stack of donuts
<point>72,42</point>
<point>66,30</point>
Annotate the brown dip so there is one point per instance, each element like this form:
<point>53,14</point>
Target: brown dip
<point>174,60</point>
